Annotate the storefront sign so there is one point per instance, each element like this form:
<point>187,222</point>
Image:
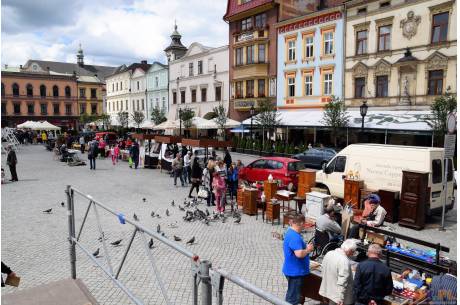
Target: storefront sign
<point>246,36</point>
<point>449,146</point>
<point>310,22</point>
<point>244,104</point>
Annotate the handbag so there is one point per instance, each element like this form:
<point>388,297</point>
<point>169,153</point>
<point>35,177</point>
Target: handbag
<point>203,193</point>
<point>130,161</point>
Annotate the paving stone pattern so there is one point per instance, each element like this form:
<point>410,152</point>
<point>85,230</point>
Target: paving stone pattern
<point>35,244</point>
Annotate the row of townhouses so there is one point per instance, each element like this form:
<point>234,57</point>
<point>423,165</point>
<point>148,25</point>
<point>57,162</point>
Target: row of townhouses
<point>396,56</point>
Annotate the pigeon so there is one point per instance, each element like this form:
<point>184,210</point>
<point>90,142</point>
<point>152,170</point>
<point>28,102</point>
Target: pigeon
<point>135,217</point>
<point>191,241</point>
<point>144,200</point>
<point>151,243</point>
<point>100,238</point>
<point>95,254</point>
<point>163,234</point>
<point>237,220</point>
<point>181,208</point>
<point>177,238</point>
<point>206,222</point>
<point>172,203</point>
<point>224,219</point>
<point>207,212</point>
<point>158,216</point>
<point>167,212</point>
<point>158,228</point>
<point>48,211</point>
<point>62,204</point>
<point>116,243</point>
<point>152,214</point>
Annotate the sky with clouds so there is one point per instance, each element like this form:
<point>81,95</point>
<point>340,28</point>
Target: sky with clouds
<point>112,32</point>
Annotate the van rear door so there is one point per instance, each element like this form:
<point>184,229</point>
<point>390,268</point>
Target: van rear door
<point>437,178</point>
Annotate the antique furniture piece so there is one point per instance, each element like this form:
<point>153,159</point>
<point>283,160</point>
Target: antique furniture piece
<point>414,198</point>
<point>352,192</point>
<point>272,211</point>
<point>270,189</point>
<point>390,202</point>
<point>250,201</point>
<point>315,203</point>
<point>307,180</point>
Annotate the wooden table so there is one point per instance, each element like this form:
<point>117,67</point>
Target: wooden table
<point>285,196</point>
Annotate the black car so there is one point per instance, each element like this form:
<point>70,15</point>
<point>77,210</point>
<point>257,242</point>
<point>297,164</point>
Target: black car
<point>315,157</point>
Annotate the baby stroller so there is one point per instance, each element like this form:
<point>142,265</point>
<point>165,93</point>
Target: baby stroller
<point>74,160</point>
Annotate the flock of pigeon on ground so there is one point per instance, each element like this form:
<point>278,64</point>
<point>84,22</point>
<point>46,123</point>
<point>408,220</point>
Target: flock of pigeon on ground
<point>192,214</point>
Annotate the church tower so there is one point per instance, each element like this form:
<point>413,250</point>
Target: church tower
<point>176,49</point>
<point>80,56</point>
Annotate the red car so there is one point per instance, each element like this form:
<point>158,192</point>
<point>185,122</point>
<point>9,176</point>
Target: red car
<point>284,169</point>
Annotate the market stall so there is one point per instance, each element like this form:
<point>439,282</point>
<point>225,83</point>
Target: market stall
<point>149,149</point>
<point>168,149</point>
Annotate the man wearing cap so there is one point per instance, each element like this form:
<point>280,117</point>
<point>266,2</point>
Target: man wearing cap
<point>374,219</point>
<point>11,161</point>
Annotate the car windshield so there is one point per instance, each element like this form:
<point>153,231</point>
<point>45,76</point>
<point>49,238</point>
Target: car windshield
<point>295,166</point>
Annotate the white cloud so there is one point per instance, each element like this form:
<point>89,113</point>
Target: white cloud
<point>117,32</point>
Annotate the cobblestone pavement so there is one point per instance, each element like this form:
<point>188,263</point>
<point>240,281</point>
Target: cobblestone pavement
<point>34,244</point>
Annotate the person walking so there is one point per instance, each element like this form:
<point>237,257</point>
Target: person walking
<point>296,264</point>
<point>188,167</point>
<point>177,167</point>
<point>134,152</point>
<point>82,144</point>
<point>115,152</point>
<point>232,180</point>
<point>44,137</point>
<point>337,280</point>
<point>92,153</point>
<point>207,181</point>
<point>218,187</point>
<point>227,158</point>
<point>11,161</point>
<point>196,174</point>
<point>373,279</point>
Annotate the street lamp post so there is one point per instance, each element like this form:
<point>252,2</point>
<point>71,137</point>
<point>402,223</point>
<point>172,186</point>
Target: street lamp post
<point>180,122</point>
<point>363,111</point>
<point>251,111</point>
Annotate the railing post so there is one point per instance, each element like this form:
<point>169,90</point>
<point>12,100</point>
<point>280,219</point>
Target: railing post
<point>206,288</point>
<point>195,281</point>
<point>71,222</point>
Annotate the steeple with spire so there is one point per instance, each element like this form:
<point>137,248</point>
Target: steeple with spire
<point>176,49</point>
<point>80,56</point>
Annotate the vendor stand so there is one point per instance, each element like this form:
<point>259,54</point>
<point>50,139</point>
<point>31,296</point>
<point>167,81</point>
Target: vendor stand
<point>166,155</point>
<point>151,150</point>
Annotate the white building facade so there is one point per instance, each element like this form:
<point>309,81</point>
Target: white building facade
<point>157,88</point>
<point>199,80</point>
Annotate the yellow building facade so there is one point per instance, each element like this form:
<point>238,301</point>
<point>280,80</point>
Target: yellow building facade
<point>91,91</point>
<point>400,54</point>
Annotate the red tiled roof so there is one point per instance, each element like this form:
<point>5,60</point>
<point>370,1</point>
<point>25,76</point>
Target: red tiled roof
<point>234,8</point>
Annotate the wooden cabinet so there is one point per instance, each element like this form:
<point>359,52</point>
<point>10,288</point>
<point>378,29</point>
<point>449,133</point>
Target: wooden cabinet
<point>270,189</point>
<point>352,192</point>
<point>240,197</point>
<point>272,211</point>
<point>414,196</point>
<point>390,202</point>
<point>250,202</point>
<point>307,180</point>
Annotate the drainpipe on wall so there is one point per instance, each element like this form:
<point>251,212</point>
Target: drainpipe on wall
<point>344,26</point>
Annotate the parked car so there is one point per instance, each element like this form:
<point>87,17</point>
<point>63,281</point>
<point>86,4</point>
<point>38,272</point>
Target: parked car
<point>284,169</point>
<point>315,157</point>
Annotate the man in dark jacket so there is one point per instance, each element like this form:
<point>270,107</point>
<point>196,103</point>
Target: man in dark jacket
<point>227,158</point>
<point>92,153</point>
<point>134,151</point>
<point>11,161</point>
<point>373,279</point>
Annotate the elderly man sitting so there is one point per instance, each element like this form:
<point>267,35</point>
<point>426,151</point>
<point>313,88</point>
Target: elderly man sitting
<point>337,281</point>
<point>374,219</point>
<point>326,223</point>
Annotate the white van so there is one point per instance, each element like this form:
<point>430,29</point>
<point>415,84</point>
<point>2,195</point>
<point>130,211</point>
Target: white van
<point>380,167</point>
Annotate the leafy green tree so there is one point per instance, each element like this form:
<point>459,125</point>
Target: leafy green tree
<point>186,115</point>
<point>105,118</point>
<point>123,119</point>
<point>158,115</point>
<point>440,109</point>
<point>138,117</point>
<point>221,118</point>
<point>267,118</point>
<point>86,118</point>
<point>335,116</point>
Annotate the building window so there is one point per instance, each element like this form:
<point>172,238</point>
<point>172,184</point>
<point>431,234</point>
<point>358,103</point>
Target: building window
<point>193,95</point>
<point>328,43</point>
<point>15,89</point>
<point>239,56</point>
<point>121,85</point>
<point>439,27</point>
<point>308,84</point>
<point>249,54</point>
<point>435,79</point>
<point>43,109</point>
<point>246,24</point>
<point>361,42</point>
<point>291,50</point>
<point>17,108</point>
<point>384,38</point>
<point>93,93</point>
<point>156,81</point>
<point>137,105</point>
<point>182,97</point>
<point>261,20</point>
<point>200,67</point>
<point>362,10</point>
<point>309,47</point>
<point>218,94</point>
<point>126,105</point>
<point>385,4</point>
<point>68,109</point>
<point>30,90</point>
<point>83,108</point>
<point>327,83</point>
<point>142,104</point>
<point>261,54</point>
<point>55,91</point>
<point>163,101</point>
<point>291,86</point>
<point>204,94</point>
<point>117,86</point>
<point>382,86</point>
<point>113,87</point>
<point>3,90</point>
<point>134,105</point>
<point>250,88</point>
<point>82,92</point>
<point>239,89</point>
<point>30,108</point>
<point>3,108</point>
<point>359,86</point>
<point>138,86</point>
<point>190,69</point>
<point>43,91</point>
<point>174,95</point>
<point>56,108</point>
<point>67,91</point>
<point>261,88</point>
<point>93,108</point>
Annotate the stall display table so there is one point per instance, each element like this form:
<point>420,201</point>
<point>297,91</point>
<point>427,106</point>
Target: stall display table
<point>250,201</point>
<point>273,211</point>
<point>284,195</point>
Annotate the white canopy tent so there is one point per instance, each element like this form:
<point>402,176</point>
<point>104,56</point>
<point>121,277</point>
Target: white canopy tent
<point>147,125</point>
<point>45,125</point>
<point>167,125</point>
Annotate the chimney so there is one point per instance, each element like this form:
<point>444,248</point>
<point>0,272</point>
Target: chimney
<point>48,69</point>
<point>20,67</point>
<point>143,62</point>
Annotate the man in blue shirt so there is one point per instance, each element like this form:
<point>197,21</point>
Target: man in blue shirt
<point>296,259</point>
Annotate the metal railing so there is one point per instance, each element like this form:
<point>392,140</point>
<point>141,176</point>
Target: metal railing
<point>202,273</point>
